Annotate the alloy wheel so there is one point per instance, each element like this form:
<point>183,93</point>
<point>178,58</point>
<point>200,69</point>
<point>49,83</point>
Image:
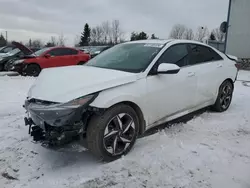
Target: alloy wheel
<point>226,96</point>
<point>119,134</point>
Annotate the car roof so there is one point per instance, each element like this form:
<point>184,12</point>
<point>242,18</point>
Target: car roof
<point>152,41</point>
<point>56,47</point>
<point>165,41</point>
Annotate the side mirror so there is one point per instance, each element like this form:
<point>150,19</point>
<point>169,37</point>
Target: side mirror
<point>167,68</point>
<point>47,55</point>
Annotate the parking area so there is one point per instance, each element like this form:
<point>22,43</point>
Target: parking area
<point>199,153</point>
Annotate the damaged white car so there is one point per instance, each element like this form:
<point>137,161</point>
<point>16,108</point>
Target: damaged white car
<point>126,90</point>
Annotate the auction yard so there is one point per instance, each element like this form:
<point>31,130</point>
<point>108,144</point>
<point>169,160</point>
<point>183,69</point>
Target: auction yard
<point>211,150</point>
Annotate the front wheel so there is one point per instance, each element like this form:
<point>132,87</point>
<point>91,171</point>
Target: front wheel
<point>114,133</point>
<point>33,70</point>
<point>224,97</point>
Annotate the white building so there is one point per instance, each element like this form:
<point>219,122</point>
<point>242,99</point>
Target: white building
<point>238,36</point>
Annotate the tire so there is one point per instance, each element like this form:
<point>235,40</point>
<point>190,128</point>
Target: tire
<point>33,70</point>
<point>105,130</point>
<point>1,67</point>
<point>81,63</point>
<point>224,97</point>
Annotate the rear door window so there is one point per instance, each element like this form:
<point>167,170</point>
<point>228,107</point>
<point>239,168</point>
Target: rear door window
<point>202,54</point>
<point>68,51</point>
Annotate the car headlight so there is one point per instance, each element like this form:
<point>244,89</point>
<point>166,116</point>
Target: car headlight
<point>78,102</point>
<point>18,61</point>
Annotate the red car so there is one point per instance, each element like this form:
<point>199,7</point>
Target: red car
<point>32,65</point>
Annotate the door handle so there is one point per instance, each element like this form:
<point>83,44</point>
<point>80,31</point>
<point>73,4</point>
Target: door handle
<point>191,74</point>
<point>219,65</point>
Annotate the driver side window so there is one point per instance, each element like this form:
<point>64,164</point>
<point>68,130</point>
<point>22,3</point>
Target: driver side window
<point>176,54</point>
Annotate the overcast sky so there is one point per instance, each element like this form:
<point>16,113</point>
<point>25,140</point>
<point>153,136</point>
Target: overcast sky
<point>24,19</point>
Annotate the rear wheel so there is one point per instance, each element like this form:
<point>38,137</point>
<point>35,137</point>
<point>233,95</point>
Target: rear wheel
<point>1,67</point>
<point>114,133</point>
<point>33,70</point>
<point>224,97</point>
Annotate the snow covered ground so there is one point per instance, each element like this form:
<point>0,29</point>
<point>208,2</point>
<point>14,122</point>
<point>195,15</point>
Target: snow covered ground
<point>211,150</point>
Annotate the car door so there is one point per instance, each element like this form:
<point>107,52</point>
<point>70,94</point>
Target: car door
<point>169,94</point>
<point>53,59</point>
<point>209,66</point>
<point>61,57</point>
<point>69,57</point>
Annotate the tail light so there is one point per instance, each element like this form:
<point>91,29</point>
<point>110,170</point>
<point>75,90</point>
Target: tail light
<point>237,65</point>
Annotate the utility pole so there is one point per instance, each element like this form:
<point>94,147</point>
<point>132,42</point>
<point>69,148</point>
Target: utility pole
<point>6,36</point>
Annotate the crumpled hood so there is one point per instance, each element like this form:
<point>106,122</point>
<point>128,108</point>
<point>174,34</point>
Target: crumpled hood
<point>67,83</point>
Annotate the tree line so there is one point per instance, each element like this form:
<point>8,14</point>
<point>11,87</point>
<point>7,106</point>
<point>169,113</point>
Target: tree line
<point>180,31</point>
<point>111,33</point>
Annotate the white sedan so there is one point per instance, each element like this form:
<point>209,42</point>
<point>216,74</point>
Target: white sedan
<point>126,90</point>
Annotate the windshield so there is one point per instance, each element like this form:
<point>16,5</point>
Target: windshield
<point>13,52</point>
<point>129,57</point>
<point>40,52</point>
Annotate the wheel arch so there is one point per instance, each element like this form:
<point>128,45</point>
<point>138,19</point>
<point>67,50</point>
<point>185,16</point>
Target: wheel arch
<point>134,106</point>
<point>137,109</point>
<point>230,80</point>
<point>217,92</point>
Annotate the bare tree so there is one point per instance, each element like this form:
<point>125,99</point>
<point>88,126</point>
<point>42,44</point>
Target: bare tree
<point>61,40</point>
<point>53,41</point>
<point>76,40</point>
<point>93,36</point>
<point>116,31</point>
<point>188,34</point>
<point>202,33</point>
<point>219,36</point>
<point>37,43</point>
<point>177,31</point>
<point>107,36</point>
<point>99,34</point>
<point>96,35</point>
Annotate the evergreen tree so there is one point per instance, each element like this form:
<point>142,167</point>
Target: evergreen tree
<point>138,36</point>
<point>49,44</point>
<point>212,36</point>
<point>85,36</point>
<point>133,36</point>
<point>3,41</point>
<point>142,36</point>
<point>154,37</point>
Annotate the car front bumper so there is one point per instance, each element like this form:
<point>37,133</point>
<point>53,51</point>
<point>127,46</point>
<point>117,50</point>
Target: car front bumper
<point>20,68</point>
<point>55,125</point>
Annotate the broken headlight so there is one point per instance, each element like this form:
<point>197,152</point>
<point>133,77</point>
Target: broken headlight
<point>78,102</point>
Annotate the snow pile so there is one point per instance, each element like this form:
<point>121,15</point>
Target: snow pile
<point>211,150</point>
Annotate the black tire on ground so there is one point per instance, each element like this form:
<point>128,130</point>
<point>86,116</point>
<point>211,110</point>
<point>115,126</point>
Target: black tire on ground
<point>100,138</point>
<point>81,63</point>
<point>33,70</point>
<point>1,67</point>
<point>224,97</point>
